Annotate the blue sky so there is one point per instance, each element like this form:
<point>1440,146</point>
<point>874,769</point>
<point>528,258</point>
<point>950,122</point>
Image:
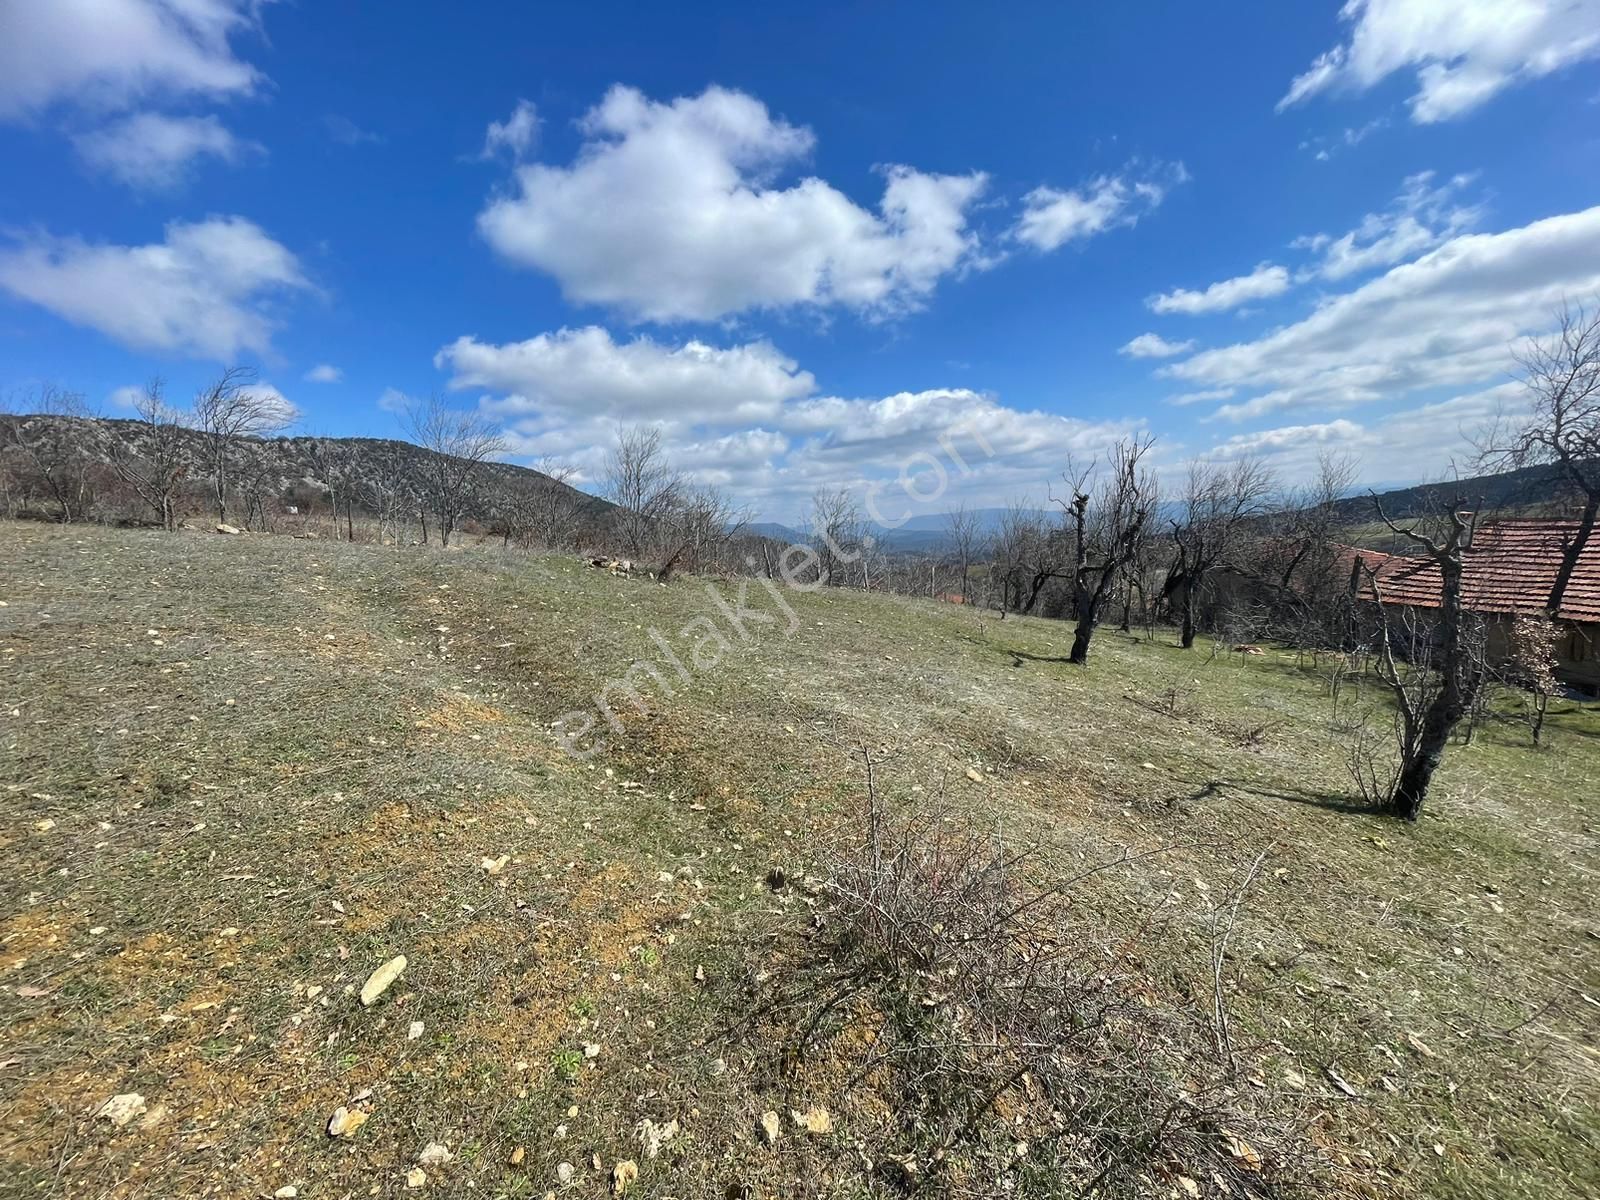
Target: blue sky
<point>808,239</point>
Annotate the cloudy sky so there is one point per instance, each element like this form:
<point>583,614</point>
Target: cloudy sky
<point>810,239</point>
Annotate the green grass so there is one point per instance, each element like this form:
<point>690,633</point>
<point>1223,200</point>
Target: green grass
<point>297,734</point>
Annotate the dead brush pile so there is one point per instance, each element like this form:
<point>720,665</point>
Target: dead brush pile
<point>983,1041</point>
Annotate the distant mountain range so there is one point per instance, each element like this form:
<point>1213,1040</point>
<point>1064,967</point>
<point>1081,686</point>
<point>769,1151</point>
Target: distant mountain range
<point>1530,490</point>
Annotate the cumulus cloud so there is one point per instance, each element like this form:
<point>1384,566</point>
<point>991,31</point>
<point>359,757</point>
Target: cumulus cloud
<point>280,411</point>
<point>324,373</point>
<point>1266,281</point>
<point>585,371</point>
<point>1389,448</point>
<point>515,135</point>
<point>672,211</point>
<point>112,54</point>
<point>1448,319</point>
<point>1153,345</point>
<point>205,290</point>
<point>152,151</point>
<point>1463,52</point>
<point>748,418</point>
<point>1052,217</point>
<point>1422,216</point>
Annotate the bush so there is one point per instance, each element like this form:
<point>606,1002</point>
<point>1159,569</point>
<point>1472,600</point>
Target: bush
<point>1019,1050</point>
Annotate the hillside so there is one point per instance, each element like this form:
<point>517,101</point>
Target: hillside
<point>244,772</point>
<point>285,466</point>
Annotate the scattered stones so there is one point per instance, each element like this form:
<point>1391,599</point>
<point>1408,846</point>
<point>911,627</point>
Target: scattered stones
<point>771,1129</point>
<point>287,1192</point>
<point>227,529</point>
<point>46,825</point>
<point>816,1119</point>
<point>623,1176</point>
<point>652,1136</point>
<point>974,774</point>
<point>345,1121</point>
<point>591,1049</point>
<point>378,982</point>
<point>493,866</point>
<point>435,1154</point>
<point>565,1171</point>
<point>416,1177</point>
<point>414,1031</point>
<point>121,1109</point>
<point>517,1155</point>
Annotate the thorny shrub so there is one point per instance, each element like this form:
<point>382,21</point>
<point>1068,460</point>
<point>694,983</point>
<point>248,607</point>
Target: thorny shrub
<point>1009,1048</point>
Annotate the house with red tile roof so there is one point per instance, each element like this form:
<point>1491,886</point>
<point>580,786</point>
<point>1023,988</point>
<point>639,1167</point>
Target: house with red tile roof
<point>1512,567</point>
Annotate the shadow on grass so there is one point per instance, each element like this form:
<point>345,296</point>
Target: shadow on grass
<point>1330,801</point>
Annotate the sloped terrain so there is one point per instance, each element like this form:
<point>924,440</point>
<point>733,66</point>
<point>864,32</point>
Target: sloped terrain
<point>242,773</point>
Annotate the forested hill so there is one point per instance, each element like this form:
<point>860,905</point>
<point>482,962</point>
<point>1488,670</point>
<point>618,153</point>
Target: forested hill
<point>1536,490</point>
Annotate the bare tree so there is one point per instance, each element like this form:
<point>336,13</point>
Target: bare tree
<point>158,460</point>
<point>835,532</point>
<point>1301,562</point>
<point>1219,503</point>
<point>963,531</point>
<point>1440,667</point>
<point>696,530</point>
<point>50,433</point>
<point>1561,375</point>
<point>458,442</point>
<point>388,488</point>
<point>229,409</point>
<point>1106,528</point>
<point>557,503</point>
<point>642,484</point>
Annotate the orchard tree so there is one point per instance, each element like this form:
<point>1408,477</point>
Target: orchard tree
<point>1107,525</point>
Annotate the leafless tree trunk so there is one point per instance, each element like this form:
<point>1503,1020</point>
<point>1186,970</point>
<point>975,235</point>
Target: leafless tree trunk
<point>642,484</point>
<point>1219,502</point>
<point>228,410</point>
<point>52,432</point>
<point>1106,530</point>
<point>458,442</point>
<point>964,534</point>
<point>1445,665</point>
<point>835,532</point>
<point>156,467</point>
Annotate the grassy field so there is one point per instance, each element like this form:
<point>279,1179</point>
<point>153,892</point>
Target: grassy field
<point>241,773</point>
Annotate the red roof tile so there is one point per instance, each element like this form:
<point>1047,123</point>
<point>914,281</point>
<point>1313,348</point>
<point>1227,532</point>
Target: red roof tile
<point>1510,568</point>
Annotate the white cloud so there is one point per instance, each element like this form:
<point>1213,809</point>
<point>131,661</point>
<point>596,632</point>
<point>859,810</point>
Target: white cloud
<point>515,135</point>
<point>1326,147</point>
<point>671,211</point>
<point>206,290</point>
<point>1051,217</point>
<point>1266,281</point>
<point>111,54</point>
<point>1201,397</point>
<point>347,133</point>
<point>1449,319</point>
<point>1153,345</point>
<point>1421,217</point>
<point>583,371</point>
<point>1403,446</point>
<point>1463,52</point>
<point>153,151</point>
<point>324,373</point>
<point>282,411</point>
<point>393,400</point>
<point>126,397</point>
<point>747,418</point>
